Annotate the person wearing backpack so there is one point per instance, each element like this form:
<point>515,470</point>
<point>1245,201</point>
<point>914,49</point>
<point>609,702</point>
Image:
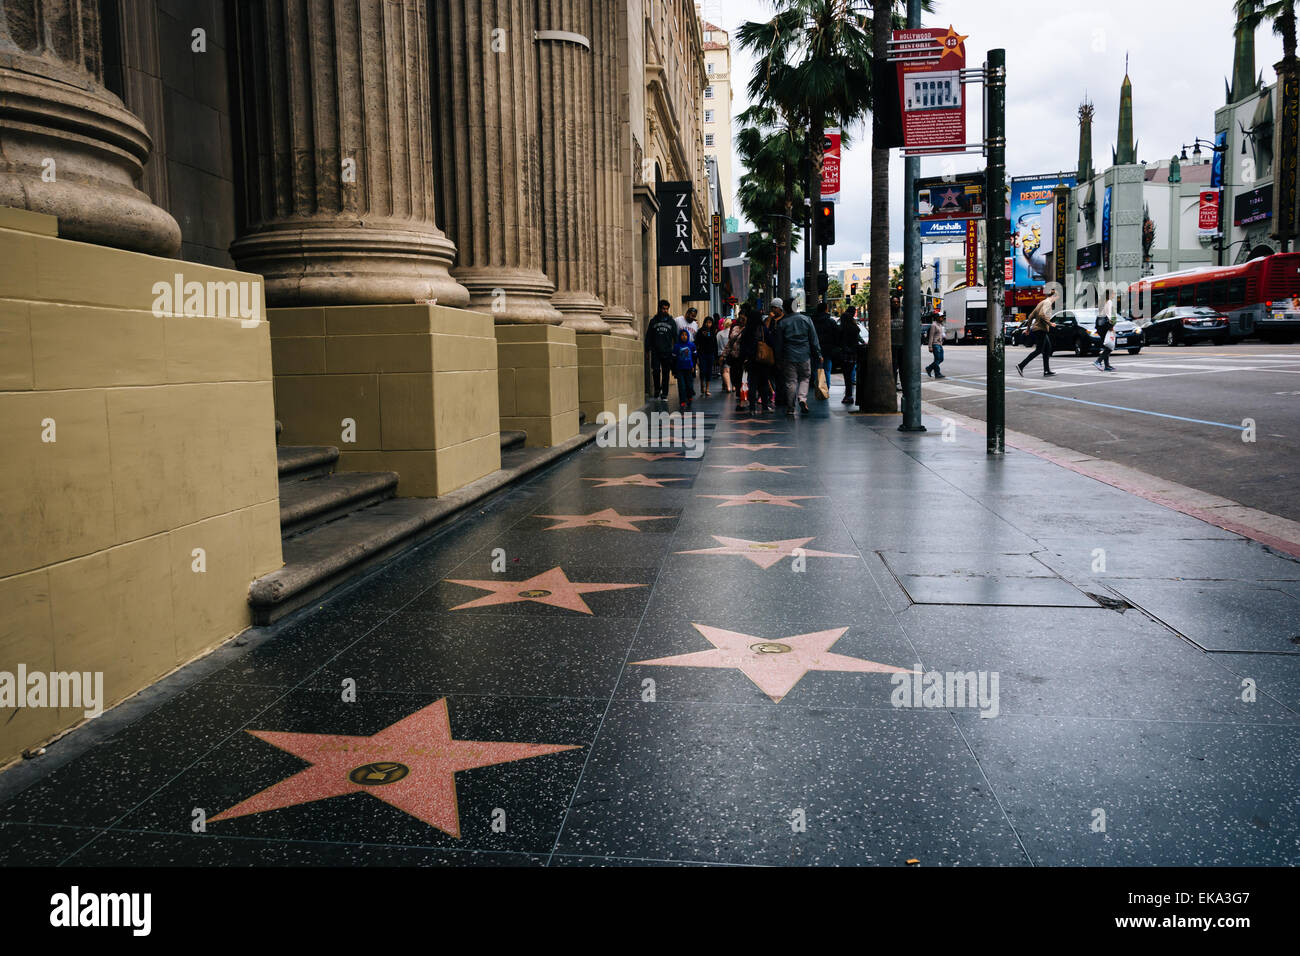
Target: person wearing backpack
<point>660,337</point>
<point>684,368</point>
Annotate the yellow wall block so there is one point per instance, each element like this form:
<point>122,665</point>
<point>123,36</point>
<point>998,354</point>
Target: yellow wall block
<point>406,410</point>
<point>82,347</point>
<point>312,408</point>
<point>464,353</point>
<point>506,391</point>
<point>352,354</point>
<point>209,604</point>
<point>376,319</point>
<point>16,371</point>
<point>112,612</point>
<point>216,350</point>
<point>18,277</point>
<point>464,407</point>
<point>468,461</point>
<point>61,500</point>
<point>300,355</point>
<point>289,323</point>
<point>24,220</point>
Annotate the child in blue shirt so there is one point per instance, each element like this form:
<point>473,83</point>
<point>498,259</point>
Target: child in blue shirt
<point>684,368</point>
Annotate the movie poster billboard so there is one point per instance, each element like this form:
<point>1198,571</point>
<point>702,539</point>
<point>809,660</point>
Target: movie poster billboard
<point>1033,226</point>
<point>931,93</point>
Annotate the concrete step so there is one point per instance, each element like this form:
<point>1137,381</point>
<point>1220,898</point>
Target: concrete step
<point>338,552</point>
<point>305,461</point>
<point>307,503</point>
<point>513,439</point>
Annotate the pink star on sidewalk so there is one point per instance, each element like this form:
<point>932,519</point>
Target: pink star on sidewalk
<point>550,587</point>
<point>651,456</point>
<point>608,518</point>
<point>410,765</point>
<point>775,666</point>
<point>765,553</point>
<point>756,466</point>
<point>640,481</point>
<point>754,446</point>
<point>760,498</point>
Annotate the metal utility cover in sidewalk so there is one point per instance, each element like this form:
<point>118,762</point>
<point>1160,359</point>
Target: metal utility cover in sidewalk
<point>977,578</point>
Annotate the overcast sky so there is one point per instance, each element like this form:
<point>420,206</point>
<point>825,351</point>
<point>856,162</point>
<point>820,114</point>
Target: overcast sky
<point>1179,51</point>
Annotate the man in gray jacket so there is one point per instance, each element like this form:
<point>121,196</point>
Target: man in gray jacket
<point>799,351</point>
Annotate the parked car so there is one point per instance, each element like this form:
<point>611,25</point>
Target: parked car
<point>1184,324</point>
<point>1128,334</point>
<point>1013,330</point>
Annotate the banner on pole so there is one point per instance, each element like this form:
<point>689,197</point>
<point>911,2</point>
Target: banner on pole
<point>831,166</point>
<point>1207,219</point>
<point>701,273</point>
<point>715,248</point>
<point>930,90</point>
<point>972,251</point>
<point>951,197</point>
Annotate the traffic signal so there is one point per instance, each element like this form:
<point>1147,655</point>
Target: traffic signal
<point>853,288</point>
<point>826,225</point>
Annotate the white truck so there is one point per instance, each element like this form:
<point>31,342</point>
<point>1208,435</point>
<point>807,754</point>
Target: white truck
<point>967,314</point>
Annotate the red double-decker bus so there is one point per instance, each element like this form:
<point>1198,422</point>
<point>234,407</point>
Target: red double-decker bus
<point>1260,297</point>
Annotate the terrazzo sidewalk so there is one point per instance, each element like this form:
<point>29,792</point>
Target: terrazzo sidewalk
<point>640,657</point>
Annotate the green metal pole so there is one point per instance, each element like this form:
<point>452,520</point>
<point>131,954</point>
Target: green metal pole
<point>996,147</point>
<point>910,372</point>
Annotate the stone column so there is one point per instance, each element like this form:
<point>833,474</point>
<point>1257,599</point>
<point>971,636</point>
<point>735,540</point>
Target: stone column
<point>613,177</point>
<point>487,122</point>
<point>568,187</point>
<point>68,147</point>
<point>337,203</point>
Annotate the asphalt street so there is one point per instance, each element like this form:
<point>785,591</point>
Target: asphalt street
<point>1179,413</point>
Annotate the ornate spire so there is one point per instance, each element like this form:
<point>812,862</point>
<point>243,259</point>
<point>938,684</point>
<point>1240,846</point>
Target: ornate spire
<point>1084,168</point>
<point>1124,153</point>
<point>1243,63</point>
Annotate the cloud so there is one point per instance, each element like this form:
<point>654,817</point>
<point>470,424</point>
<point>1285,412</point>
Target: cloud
<point>1179,55</point>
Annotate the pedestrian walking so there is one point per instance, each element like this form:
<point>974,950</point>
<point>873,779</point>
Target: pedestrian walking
<point>1106,332</point>
<point>735,360</point>
<point>896,343</point>
<point>706,353</point>
<point>759,358</point>
<point>684,368</point>
<point>848,361</point>
<point>800,353</point>
<point>724,336</point>
<point>660,337</point>
<point>688,321</point>
<point>934,369</point>
<point>828,334</point>
<point>1040,327</point>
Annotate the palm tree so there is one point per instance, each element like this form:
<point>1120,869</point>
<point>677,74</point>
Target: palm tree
<point>1252,13</point>
<point>770,147</point>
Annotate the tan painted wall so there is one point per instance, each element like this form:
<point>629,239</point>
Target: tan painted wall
<point>164,442</point>
<point>419,381</point>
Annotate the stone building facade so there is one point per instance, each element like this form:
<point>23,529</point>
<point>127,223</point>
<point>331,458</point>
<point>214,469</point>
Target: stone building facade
<point>403,228</point>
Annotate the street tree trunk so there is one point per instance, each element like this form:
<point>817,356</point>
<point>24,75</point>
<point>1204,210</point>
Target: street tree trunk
<point>783,250</point>
<point>876,391</point>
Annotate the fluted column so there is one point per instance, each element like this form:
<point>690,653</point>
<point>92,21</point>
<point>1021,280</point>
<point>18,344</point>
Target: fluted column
<point>486,106</point>
<point>566,79</point>
<point>68,147</point>
<point>613,181</point>
<point>336,161</point>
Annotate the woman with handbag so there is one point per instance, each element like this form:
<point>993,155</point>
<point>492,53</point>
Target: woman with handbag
<point>756,351</point>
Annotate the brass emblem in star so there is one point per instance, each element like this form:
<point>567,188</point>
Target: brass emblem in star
<point>774,666</point>
<point>757,466</point>
<point>551,587</point>
<point>422,783</point>
<point>765,553</point>
<point>639,481</point>
<point>761,498</point>
<point>607,518</point>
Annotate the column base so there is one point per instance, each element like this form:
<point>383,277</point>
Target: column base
<point>621,323</point>
<point>333,263</point>
<point>610,375</point>
<point>537,369</point>
<point>510,296</point>
<point>417,382</point>
<point>582,311</point>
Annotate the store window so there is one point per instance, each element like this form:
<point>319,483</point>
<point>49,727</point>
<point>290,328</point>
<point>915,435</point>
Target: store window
<point>708,92</point>
<point>708,139</point>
